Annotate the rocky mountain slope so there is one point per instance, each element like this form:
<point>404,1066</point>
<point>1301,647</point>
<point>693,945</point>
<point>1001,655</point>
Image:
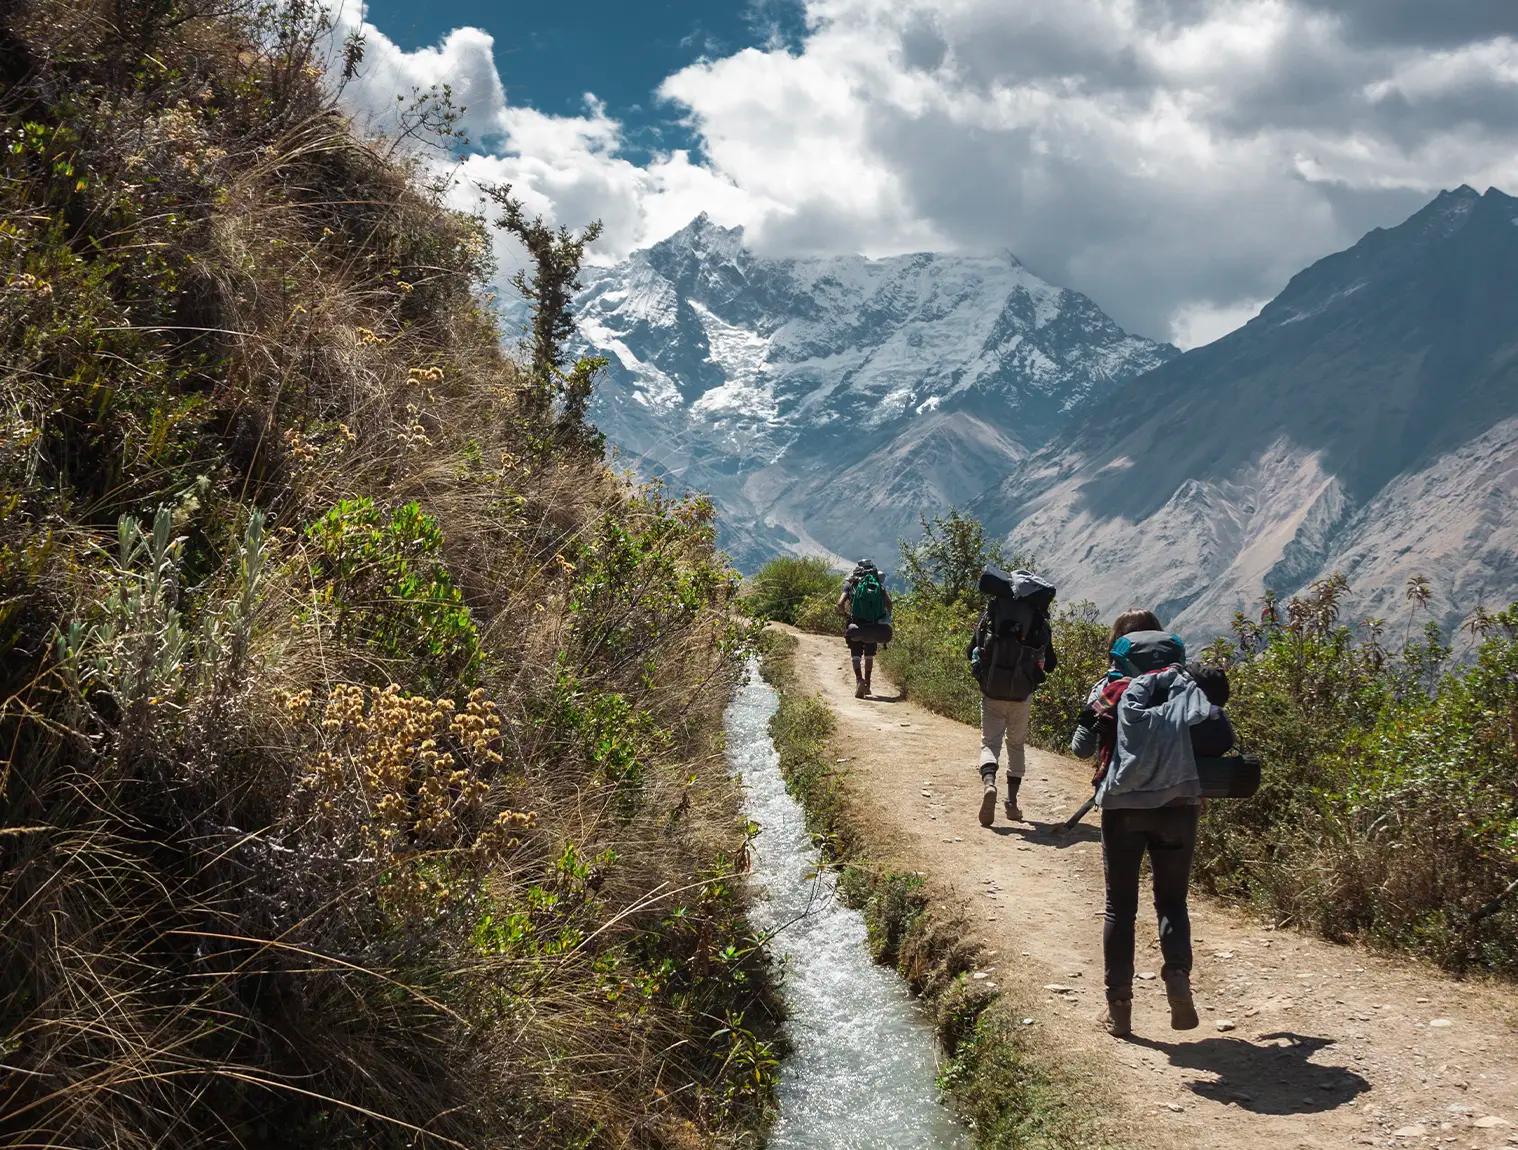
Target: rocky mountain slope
<point>825,403</point>
<point>1365,422</point>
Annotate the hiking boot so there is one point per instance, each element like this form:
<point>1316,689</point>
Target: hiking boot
<point>1014,787</point>
<point>1118,1020</point>
<point>988,802</point>
<point>1183,1014</point>
<point>860,690</point>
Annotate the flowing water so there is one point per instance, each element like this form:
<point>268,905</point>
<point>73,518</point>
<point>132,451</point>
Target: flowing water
<point>862,1065</point>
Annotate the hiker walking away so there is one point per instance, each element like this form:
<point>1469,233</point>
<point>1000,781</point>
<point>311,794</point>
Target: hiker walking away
<point>866,607</point>
<point>1096,727</point>
<point>1150,799</point>
<point>1011,653</point>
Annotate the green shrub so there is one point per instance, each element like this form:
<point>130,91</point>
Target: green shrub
<point>780,589</point>
<point>385,582</point>
<point>946,563</point>
<point>1080,642</point>
<point>926,657</point>
<point>819,614</point>
<point>1386,811</point>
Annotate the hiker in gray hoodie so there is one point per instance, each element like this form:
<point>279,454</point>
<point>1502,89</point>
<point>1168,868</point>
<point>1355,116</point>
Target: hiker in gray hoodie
<point>1150,800</point>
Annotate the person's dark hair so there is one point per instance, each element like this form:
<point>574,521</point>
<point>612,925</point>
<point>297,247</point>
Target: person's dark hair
<point>1131,620</point>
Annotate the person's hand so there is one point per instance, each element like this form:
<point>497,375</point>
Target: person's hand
<point>1087,718</point>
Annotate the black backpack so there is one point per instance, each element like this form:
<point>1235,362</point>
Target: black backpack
<point>1007,654</point>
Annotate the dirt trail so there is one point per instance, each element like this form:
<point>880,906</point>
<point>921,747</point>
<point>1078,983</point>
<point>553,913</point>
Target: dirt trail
<point>1303,1043</point>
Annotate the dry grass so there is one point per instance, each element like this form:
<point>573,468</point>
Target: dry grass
<point>434,849</point>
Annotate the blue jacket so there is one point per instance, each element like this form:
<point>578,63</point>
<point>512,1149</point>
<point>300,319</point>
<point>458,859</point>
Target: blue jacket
<point>1153,764</point>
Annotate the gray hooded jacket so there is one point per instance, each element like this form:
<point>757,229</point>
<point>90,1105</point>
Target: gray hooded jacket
<point>1153,764</point>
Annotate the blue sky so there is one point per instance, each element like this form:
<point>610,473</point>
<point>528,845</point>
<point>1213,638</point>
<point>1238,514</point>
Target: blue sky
<point>1176,160</point>
<point>550,55</point>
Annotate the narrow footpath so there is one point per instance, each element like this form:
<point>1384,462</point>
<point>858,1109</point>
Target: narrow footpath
<point>1303,1043</point>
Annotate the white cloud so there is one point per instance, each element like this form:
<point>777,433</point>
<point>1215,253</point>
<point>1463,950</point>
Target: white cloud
<point>1176,159</point>
<point>389,77</point>
<point>1196,325</point>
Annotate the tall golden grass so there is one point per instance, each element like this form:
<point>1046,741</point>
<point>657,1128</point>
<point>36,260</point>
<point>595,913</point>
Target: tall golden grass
<point>278,867</point>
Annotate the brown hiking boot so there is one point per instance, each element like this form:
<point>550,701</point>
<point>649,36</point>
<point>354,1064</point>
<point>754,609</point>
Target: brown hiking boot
<point>860,690</point>
<point>1013,811</point>
<point>1183,1014</point>
<point>1119,1017</point>
<point>988,801</point>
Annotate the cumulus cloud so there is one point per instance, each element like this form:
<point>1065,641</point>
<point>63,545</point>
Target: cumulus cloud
<point>389,79</point>
<point>1178,160</point>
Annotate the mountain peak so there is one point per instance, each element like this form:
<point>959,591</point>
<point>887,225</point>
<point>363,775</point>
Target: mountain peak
<point>704,235</point>
<point>826,400</point>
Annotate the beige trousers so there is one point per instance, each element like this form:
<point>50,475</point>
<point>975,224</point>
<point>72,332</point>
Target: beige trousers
<point>1003,719</point>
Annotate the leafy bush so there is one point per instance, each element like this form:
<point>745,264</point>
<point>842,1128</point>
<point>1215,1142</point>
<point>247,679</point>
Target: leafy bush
<point>1389,807</point>
<point>819,614</point>
<point>1080,642</point>
<point>780,589</point>
<point>926,657</point>
<point>386,583</point>
<point>945,564</point>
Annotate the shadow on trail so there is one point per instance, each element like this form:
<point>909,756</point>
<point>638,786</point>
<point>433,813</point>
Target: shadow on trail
<point>885,698</point>
<point>1051,834</point>
<point>1272,1076</point>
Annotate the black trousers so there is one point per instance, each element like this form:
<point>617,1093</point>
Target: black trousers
<point>1168,836</point>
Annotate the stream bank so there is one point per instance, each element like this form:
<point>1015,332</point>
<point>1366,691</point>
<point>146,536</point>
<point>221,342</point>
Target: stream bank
<point>997,1074</point>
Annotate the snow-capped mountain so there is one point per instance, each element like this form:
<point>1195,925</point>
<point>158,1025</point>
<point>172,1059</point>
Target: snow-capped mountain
<point>1365,422</point>
<point>826,403</point>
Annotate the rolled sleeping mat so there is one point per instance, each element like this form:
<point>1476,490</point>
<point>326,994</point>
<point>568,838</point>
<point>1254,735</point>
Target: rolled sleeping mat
<point>1229,777</point>
<point>868,632</point>
<point>999,584</point>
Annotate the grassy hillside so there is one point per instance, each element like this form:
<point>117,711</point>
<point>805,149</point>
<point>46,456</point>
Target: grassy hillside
<point>360,768</point>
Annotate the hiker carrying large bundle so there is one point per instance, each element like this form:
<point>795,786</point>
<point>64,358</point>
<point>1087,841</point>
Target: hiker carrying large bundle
<point>1011,653</point>
<point>865,605</point>
<point>1139,721</point>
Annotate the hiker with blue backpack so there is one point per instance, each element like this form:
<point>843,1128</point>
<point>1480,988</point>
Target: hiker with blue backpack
<point>1146,721</point>
<point>1010,654</point>
<point>865,605</point>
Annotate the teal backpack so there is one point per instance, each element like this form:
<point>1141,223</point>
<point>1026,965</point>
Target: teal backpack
<point>867,601</point>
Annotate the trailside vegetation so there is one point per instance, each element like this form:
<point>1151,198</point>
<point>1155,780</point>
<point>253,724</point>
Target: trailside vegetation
<point>361,778</point>
<point>789,589</point>
<point>1389,810</point>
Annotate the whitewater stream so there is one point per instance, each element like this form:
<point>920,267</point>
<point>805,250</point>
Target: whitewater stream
<point>861,1070</point>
